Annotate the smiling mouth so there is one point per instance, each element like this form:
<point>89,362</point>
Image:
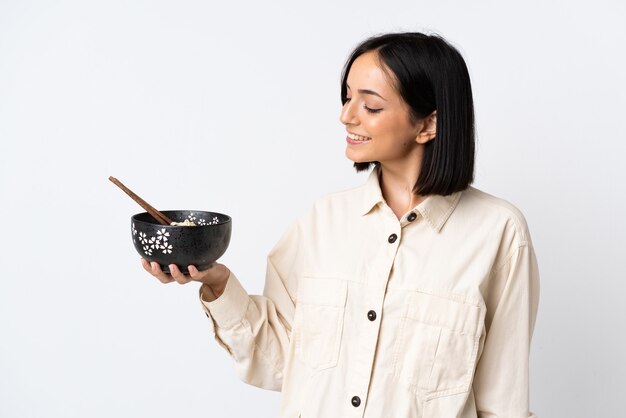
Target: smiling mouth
<point>356,137</point>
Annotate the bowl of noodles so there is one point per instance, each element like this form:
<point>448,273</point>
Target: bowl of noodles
<point>195,237</point>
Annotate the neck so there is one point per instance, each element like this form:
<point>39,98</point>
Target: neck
<point>397,183</point>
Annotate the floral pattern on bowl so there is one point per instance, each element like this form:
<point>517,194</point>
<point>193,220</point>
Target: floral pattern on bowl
<point>199,245</point>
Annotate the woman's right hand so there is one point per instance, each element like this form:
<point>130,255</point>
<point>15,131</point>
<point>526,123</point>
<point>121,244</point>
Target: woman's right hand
<point>215,276</point>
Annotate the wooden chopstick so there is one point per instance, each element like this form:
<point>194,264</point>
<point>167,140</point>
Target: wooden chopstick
<point>162,219</point>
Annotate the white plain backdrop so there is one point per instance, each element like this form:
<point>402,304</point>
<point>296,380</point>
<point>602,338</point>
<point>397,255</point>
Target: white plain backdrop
<point>234,108</point>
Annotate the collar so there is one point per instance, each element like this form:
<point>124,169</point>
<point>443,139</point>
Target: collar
<point>435,209</point>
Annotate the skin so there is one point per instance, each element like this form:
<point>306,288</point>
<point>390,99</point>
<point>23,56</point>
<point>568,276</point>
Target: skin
<point>396,142</point>
<point>215,277</point>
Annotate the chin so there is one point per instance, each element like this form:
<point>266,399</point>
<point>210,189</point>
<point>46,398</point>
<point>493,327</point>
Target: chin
<point>355,158</point>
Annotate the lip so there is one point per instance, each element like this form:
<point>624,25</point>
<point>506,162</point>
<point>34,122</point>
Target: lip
<point>354,133</point>
<point>352,141</point>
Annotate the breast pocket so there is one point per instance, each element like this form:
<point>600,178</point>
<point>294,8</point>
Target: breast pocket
<point>437,348</point>
<point>318,321</point>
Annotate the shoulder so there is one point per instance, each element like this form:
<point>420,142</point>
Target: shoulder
<point>337,204</point>
<point>346,197</point>
<point>494,211</point>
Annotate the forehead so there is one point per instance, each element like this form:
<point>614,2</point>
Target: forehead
<point>366,72</point>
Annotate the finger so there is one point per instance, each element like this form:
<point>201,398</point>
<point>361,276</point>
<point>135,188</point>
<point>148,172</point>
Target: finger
<point>195,273</point>
<point>199,275</point>
<point>178,275</point>
<point>158,273</point>
<point>146,265</point>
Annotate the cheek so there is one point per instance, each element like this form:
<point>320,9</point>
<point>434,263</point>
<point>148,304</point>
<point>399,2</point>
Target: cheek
<point>378,126</point>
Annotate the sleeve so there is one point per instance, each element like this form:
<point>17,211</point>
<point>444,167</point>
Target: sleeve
<point>256,329</point>
<point>501,381</point>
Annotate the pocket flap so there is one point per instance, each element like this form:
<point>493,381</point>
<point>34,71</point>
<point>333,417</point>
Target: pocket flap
<point>451,314</point>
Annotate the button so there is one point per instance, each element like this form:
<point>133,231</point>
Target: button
<point>371,315</point>
<point>356,401</point>
<point>393,238</point>
<point>411,217</point>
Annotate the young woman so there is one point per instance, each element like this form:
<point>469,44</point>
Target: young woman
<point>413,295</point>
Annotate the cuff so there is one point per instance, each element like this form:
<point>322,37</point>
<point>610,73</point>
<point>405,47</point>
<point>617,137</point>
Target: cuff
<point>230,308</point>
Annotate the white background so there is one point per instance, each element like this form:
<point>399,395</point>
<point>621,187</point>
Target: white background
<point>234,108</point>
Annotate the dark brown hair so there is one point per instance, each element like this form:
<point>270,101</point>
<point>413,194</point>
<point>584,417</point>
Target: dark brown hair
<point>430,75</point>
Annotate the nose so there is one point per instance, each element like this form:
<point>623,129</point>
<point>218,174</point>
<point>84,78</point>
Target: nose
<point>347,115</point>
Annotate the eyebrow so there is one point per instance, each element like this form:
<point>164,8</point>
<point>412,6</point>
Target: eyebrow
<point>367,91</point>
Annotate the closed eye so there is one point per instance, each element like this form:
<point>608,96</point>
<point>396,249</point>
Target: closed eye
<point>371,110</point>
<point>368,109</point>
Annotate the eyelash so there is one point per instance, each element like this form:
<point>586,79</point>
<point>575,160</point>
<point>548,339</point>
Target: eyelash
<point>366,108</point>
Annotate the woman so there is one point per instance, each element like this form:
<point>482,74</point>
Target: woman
<point>413,295</point>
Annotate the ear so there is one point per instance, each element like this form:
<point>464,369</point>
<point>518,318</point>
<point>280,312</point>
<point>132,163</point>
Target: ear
<point>429,129</point>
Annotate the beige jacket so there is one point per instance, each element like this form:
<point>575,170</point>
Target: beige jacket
<point>365,315</point>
